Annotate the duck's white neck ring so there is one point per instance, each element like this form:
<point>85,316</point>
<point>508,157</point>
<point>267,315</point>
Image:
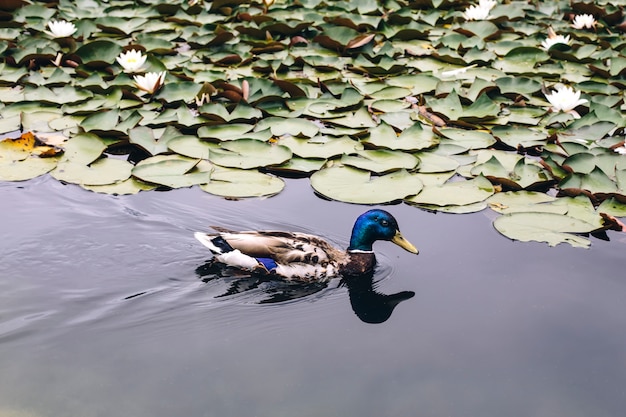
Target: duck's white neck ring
<point>360,251</point>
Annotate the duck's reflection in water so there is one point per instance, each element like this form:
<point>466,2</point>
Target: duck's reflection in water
<point>368,304</point>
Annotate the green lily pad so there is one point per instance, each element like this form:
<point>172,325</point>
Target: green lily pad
<point>320,146</point>
<point>515,136</point>
<point>457,193</point>
<point>433,163</point>
<point>613,207</point>
<point>249,153</point>
<point>25,169</point>
<point>173,91</point>
<point>191,146</point>
<point>414,138</point>
<point>300,166</point>
<point>126,187</point>
<point>84,148</point>
<point>173,171</point>
<point>353,185</point>
<point>550,228</point>
<point>468,139</point>
<point>595,181</point>
<point>523,201</point>
<point>239,183</point>
<point>293,127</point>
<point>225,132</point>
<point>112,122</point>
<point>380,161</point>
<point>101,172</point>
<point>99,53</point>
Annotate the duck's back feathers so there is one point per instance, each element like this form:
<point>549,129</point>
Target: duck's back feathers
<point>290,255</point>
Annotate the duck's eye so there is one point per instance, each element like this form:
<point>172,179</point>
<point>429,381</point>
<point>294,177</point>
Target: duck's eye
<point>384,223</point>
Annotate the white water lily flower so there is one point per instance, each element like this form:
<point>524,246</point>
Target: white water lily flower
<point>487,4</point>
<point>458,71</point>
<point>583,21</point>
<point>547,44</point>
<point>150,82</point>
<point>621,149</point>
<point>476,12</point>
<point>131,60</point>
<point>565,99</point>
<point>60,28</point>
<point>553,39</point>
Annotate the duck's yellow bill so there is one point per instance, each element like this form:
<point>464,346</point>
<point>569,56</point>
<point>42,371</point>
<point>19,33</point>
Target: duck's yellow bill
<point>399,240</point>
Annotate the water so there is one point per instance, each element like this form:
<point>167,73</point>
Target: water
<point>105,311</point>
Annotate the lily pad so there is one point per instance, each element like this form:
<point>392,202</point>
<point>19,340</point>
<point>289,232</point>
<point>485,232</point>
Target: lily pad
<point>25,169</point>
<point>457,193</point>
<point>353,185</point>
<point>380,161</point>
<point>415,138</point>
<point>239,183</point>
<point>101,172</point>
<point>173,171</point>
<point>191,146</point>
<point>523,201</point>
<point>320,146</point>
<point>126,187</point>
<point>550,228</point>
<point>99,53</point>
<point>249,153</point>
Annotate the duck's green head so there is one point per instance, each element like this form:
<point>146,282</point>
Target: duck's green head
<point>376,225</point>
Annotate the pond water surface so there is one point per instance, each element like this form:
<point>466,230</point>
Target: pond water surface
<point>106,309</point>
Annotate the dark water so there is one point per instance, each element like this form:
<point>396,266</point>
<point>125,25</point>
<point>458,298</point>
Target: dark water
<point>104,311</point>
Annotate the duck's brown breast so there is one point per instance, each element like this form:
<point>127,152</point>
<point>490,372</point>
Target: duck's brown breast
<point>360,263</point>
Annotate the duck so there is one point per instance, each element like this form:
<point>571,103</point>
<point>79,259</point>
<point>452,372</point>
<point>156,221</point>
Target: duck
<point>296,256</point>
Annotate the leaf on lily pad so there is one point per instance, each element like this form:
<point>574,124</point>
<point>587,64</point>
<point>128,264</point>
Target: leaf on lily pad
<point>613,207</point>
<point>469,139</point>
<point>126,187</point>
<point>26,169</point>
<point>432,163</point>
<point>514,136</point>
<point>239,183</point>
<point>516,201</point>
<point>224,132</point>
<point>320,146</point>
<point>550,228</point>
<point>111,122</point>
<point>84,148</point>
<point>594,182</point>
<point>99,54</point>
<point>299,166</point>
<point>293,127</point>
<point>191,146</point>
<point>249,153</point>
<point>101,172</point>
<point>381,160</point>
<point>353,185</point>
<point>415,138</point>
<point>173,171</point>
<point>17,149</point>
<point>458,193</point>
<point>178,91</point>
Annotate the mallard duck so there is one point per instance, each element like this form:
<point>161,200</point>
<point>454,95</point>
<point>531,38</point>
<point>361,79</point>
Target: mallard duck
<point>304,257</point>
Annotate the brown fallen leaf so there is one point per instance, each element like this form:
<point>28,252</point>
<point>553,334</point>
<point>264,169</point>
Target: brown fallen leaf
<point>612,223</point>
<point>25,143</point>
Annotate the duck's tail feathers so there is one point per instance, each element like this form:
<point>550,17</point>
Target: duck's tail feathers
<point>226,254</point>
<point>216,244</point>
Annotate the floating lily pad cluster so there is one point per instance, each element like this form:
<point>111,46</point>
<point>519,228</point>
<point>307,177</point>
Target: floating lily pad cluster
<point>374,101</point>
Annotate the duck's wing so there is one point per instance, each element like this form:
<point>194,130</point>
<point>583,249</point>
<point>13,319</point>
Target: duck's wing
<point>284,247</point>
